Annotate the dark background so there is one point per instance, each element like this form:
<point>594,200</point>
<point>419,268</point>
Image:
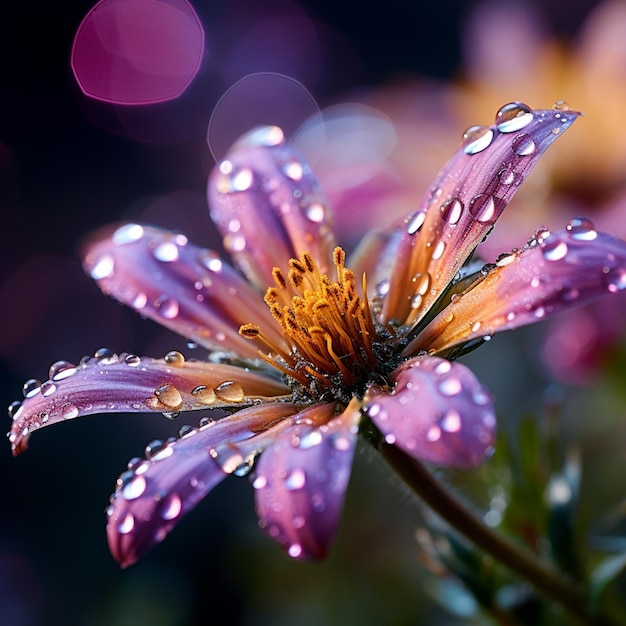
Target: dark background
<point>66,168</point>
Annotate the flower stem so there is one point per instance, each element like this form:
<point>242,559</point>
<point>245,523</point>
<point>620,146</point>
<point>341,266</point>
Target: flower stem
<point>527,566</point>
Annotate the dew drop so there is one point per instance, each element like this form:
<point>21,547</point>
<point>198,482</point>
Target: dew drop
<point>166,252</point>
<point>482,207</point>
<point>167,307</point>
<point>69,411</point>
<point>169,396</point>
<point>14,407</point>
<point>48,388</point>
<point>422,283</point>
<point>204,394</point>
<point>443,368</point>
<point>311,439</point>
<point>523,145</point>
<point>259,482</point>
<point>293,169</point>
<point>433,433</point>
<point>451,211</point>
<point>296,479</point>
<point>31,387</point>
<point>170,507</point>
<point>382,288</point>
<point>106,356</point>
<point>230,391</point>
<point>615,279</point>
<point>129,233</point>
<point>126,525</point>
<point>561,105</point>
<point>505,259</point>
<point>439,250</point>
<point>134,487</point>
<point>294,550</point>
<point>60,370</point>
<point>554,250</point>
<point>241,179</point>
<point>211,261</point>
<point>450,386</point>
<point>451,422</point>
<point>414,222</point>
<point>582,229</point>
<point>228,457</point>
<point>508,176</point>
<point>476,139</point>
<point>513,116</point>
<point>103,267</point>
<point>132,360</point>
<point>416,301</point>
<point>315,212</point>
<point>174,358</point>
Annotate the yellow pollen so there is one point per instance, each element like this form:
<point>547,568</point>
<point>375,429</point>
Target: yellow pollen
<point>327,325</point>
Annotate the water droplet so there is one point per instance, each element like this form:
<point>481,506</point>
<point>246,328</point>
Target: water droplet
<point>523,145</point>
<point>167,307</point>
<point>615,279</point>
<point>439,249</point>
<point>139,301</point>
<point>132,360</point>
<point>295,550</point>
<point>296,479</point>
<point>476,139</point>
<point>433,433</point>
<point>204,394</point>
<point>14,407</point>
<point>417,301</point>
<point>129,233</point>
<point>31,387</point>
<point>170,507</point>
<point>582,229</point>
<point>106,356</point>
<point>166,252</point>
<point>311,439</point>
<point>293,169</point>
<point>443,368</point>
<point>539,312</point>
<point>211,260</point>
<point>241,179</point>
<point>174,358</point>
<point>228,457</point>
<point>513,116</point>
<point>133,487</point>
<point>451,211</point>
<point>506,259</point>
<point>169,396</point>
<point>60,370</point>
<point>482,207</point>
<point>264,136</point>
<point>451,421</point>
<point>103,267</point>
<point>414,222</point>
<point>508,176</point>
<point>382,288</point>
<point>554,250</point>
<point>315,212</point>
<point>259,482</point>
<point>561,105</point>
<point>450,386</point>
<point>48,388</point>
<point>230,391</point>
<point>126,524</point>
<point>69,411</point>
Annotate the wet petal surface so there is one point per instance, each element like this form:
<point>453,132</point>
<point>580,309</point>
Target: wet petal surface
<point>300,481</point>
<point>156,491</point>
<point>553,273</point>
<point>466,199</point>
<point>437,412</point>
<point>268,206</point>
<point>111,383</point>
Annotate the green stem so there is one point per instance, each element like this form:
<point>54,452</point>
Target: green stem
<point>526,565</point>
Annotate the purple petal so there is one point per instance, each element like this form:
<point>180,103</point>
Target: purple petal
<point>264,192</point>
<point>187,289</point>
<point>437,412</point>
<point>154,493</point>
<point>553,273</point>
<point>466,199</point>
<point>301,480</point>
<point>109,383</point>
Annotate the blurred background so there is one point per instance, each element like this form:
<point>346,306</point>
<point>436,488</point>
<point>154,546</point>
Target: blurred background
<point>417,74</point>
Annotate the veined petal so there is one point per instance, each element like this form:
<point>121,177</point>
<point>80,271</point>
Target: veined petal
<point>187,289</point>
<point>554,272</point>
<point>467,198</point>
<point>155,492</point>
<point>109,383</point>
<point>300,481</point>
<point>268,206</point>
<point>437,412</point>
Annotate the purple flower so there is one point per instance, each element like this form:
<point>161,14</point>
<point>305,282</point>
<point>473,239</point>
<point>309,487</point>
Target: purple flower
<point>306,352</point>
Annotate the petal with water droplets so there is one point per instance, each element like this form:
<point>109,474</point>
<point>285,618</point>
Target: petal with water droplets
<point>553,273</point>
<point>127,383</point>
<point>187,289</point>
<point>264,192</point>
<point>154,494</point>
<point>437,412</point>
<point>467,198</point>
<point>301,479</point>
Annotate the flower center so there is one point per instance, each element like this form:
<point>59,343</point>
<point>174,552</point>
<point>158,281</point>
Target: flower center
<point>334,345</point>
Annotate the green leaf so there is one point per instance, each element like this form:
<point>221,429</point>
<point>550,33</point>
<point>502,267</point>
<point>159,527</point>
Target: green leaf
<point>603,575</point>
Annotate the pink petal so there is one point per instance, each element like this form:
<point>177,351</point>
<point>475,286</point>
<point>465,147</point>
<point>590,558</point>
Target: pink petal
<point>264,192</point>
<point>187,289</point>
<point>300,482</point>
<point>108,383</point>
<point>137,51</point>
<point>553,273</point>
<point>437,412</point>
<point>466,199</point>
<point>154,493</point>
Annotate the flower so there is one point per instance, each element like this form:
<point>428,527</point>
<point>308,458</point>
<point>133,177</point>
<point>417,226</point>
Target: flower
<point>328,351</point>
